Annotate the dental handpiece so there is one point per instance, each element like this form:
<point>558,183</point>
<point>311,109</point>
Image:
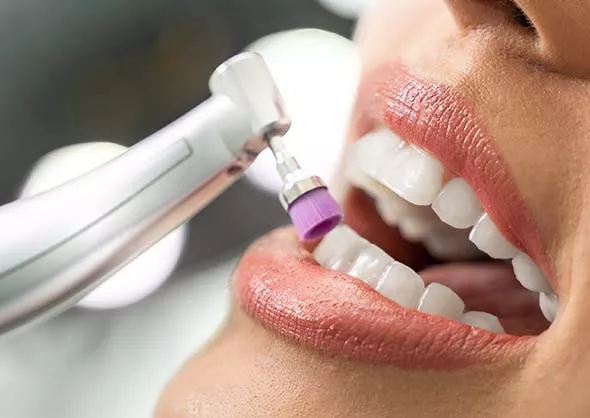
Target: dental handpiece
<point>58,246</point>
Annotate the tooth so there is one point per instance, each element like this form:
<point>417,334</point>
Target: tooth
<point>340,244</point>
<point>393,208</point>
<point>529,274</point>
<point>372,147</point>
<point>363,181</point>
<point>354,175</point>
<point>362,157</point>
<point>457,205</point>
<point>450,245</point>
<point>442,301</point>
<point>487,238</point>
<point>549,305</point>
<point>371,265</point>
<point>402,285</point>
<point>414,229</point>
<point>411,174</point>
<point>482,320</point>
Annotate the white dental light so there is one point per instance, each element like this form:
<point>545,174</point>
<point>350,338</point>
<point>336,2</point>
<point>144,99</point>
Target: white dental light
<point>317,73</point>
<point>142,276</point>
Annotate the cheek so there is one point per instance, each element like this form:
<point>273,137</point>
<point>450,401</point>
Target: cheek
<point>396,28</point>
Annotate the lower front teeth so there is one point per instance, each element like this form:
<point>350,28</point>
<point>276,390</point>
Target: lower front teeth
<point>442,301</point>
<point>402,285</point>
<point>371,264</point>
<point>345,251</point>
<point>337,247</point>
<point>482,320</point>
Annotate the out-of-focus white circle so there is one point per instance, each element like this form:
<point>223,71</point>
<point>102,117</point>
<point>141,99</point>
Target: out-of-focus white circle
<point>317,73</point>
<point>348,9</point>
<point>142,276</point>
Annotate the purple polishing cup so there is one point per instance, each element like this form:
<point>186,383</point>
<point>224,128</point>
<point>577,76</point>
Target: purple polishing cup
<point>315,214</point>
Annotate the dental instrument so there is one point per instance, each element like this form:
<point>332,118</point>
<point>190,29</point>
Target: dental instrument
<point>57,246</point>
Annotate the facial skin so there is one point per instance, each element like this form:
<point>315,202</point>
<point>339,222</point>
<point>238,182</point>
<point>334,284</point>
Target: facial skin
<point>530,86</point>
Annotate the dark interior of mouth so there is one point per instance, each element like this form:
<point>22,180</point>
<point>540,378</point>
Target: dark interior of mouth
<point>484,285</point>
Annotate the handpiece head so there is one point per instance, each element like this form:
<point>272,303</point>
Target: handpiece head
<point>313,211</point>
<point>246,80</point>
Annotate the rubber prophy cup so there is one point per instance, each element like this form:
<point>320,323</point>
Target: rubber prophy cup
<point>315,214</point>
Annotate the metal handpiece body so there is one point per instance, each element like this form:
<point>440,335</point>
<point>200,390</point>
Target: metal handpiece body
<point>58,246</point>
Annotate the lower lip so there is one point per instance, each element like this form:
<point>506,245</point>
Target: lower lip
<point>279,284</point>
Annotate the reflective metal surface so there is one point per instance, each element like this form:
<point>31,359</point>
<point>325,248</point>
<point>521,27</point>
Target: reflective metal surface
<point>117,70</point>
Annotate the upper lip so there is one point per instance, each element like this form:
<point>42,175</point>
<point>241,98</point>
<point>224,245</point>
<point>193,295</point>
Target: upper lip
<point>439,120</point>
<point>279,283</point>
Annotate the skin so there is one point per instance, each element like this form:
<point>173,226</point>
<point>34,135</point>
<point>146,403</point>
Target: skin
<point>531,88</point>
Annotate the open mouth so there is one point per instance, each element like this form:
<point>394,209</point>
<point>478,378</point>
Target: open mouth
<point>436,265</point>
<point>472,273</point>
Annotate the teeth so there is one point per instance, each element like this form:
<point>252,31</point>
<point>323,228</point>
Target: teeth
<point>411,174</point>
<point>345,251</point>
<point>371,265</point>
<point>442,301</point>
<point>487,238</point>
<point>372,147</point>
<point>482,320</point>
<point>339,249</point>
<point>393,208</point>
<point>457,205</point>
<point>530,275</point>
<point>414,229</point>
<point>549,305</point>
<point>402,285</point>
<point>450,245</point>
<point>406,185</point>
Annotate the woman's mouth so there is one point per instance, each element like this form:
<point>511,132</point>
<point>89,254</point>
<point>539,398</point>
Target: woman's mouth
<point>440,265</point>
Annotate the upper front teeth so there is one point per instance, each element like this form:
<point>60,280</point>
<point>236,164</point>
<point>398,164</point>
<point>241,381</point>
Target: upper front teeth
<point>530,275</point>
<point>549,305</point>
<point>411,174</point>
<point>457,205</point>
<point>486,237</point>
<point>404,181</point>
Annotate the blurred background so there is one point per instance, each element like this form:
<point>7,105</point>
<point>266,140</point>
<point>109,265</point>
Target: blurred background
<point>117,70</point>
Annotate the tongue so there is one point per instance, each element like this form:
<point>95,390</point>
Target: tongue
<point>491,287</point>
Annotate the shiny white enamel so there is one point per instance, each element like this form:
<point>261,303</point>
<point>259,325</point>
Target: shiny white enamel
<point>442,301</point>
